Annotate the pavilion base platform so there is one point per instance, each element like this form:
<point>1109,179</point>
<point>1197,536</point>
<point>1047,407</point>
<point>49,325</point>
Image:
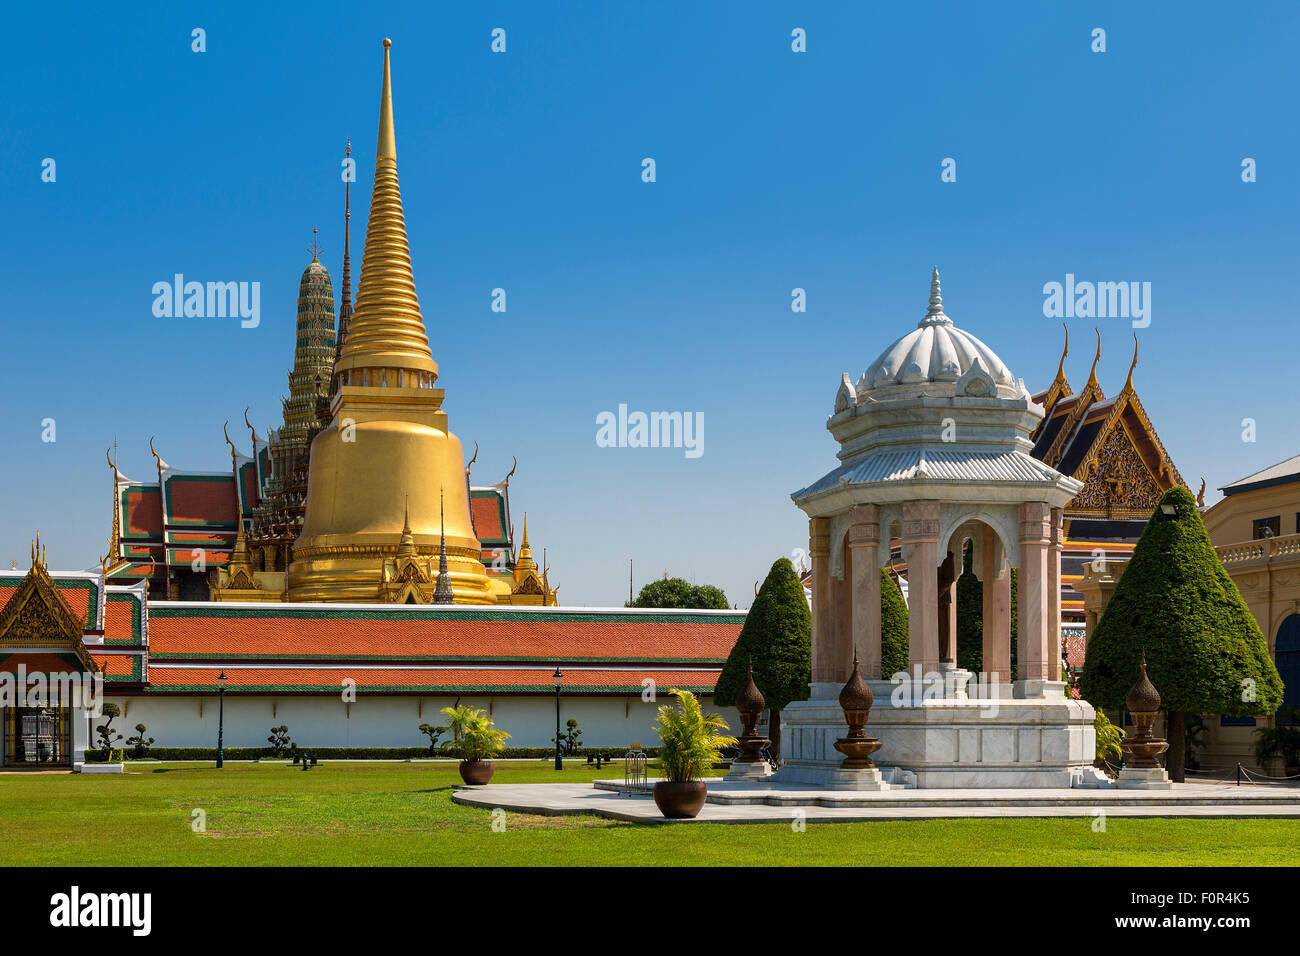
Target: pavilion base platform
<point>1144,778</point>
<point>1023,736</point>
<point>773,803</point>
<point>751,770</point>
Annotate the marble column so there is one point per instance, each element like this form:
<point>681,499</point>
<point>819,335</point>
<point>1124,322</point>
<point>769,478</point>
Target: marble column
<point>995,577</point>
<point>1055,547</point>
<point>949,571</point>
<point>1033,583</point>
<point>921,551</point>
<point>819,550</point>
<point>864,548</point>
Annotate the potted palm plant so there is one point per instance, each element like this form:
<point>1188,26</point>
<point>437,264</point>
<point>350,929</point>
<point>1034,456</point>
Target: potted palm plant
<point>690,741</point>
<point>1280,744</point>
<point>476,739</point>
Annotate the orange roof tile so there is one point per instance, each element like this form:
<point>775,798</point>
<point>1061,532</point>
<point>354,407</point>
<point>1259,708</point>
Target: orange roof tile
<point>360,634</point>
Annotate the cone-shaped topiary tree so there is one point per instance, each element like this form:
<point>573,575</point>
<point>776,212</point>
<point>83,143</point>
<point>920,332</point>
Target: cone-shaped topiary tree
<point>777,637</point>
<point>1204,651</point>
<point>893,627</point>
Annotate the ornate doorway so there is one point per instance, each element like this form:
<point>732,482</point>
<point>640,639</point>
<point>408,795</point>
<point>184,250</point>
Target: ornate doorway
<point>37,736</point>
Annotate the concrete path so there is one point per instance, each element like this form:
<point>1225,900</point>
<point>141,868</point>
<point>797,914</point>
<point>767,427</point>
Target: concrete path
<point>750,803</point>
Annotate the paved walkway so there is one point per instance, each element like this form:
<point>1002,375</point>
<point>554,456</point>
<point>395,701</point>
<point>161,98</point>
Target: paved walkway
<point>751,803</point>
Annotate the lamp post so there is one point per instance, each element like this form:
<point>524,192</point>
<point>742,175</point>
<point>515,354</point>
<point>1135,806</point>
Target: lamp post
<point>221,718</point>
<point>559,682</point>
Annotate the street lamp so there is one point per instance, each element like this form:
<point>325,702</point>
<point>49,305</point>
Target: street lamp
<point>559,682</point>
<point>221,718</point>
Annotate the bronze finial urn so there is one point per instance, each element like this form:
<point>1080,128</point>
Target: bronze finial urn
<point>856,700</point>
<point>750,706</point>
<point>1141,746</point>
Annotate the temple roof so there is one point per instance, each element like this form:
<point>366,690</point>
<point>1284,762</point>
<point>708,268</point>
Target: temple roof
<point>1107,443</point>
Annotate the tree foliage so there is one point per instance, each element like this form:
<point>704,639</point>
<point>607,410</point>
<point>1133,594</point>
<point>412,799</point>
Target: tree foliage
<point>680,593</point>
<point>1204,651</point>
<point>893,627</point>
<point>777,637</point>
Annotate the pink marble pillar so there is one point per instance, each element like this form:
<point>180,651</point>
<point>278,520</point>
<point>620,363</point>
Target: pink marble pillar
<point>995,577</point>
<point>921,551</point>
<point>1055,548</point>
<point>864,550</point>
<point>1033,585</point>
<point>950,570</point>
<point>819,550</point>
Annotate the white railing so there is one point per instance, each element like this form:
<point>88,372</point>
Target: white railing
<point>1262,549</point>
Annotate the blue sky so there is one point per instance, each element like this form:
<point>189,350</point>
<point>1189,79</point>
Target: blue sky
<point>522,170</point>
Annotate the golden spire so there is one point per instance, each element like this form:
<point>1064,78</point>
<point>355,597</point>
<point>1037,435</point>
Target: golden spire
<point>1092,372</point>
<point>315,244</point>
<point>406,546</point>
<point>1128,383</point>
<point>387,330</point>
<point>115,540</point>
<point>525,562</point>
<point>1060,368</point>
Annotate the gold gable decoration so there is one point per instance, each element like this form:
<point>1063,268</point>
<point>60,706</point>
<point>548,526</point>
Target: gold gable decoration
<point>1119,483</point>
<point>37,615</point>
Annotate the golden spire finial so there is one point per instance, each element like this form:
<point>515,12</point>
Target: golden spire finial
<point>525,561</point>
<point>406,517</point>
<point>1092,372</point>
<point>1060,367</point>
<point>315,244</point>
<point>1128,383</point>
<point>386,330</point>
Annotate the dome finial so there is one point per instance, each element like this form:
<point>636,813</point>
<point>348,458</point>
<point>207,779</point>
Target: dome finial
<point>934,314</point>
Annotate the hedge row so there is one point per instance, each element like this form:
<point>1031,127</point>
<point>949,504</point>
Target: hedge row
<point>356,753</point>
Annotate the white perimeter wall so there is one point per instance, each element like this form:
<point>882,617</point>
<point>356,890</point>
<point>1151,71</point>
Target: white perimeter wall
<point>608,723</point>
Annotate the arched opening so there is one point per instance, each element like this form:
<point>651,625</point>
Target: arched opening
<point>1286,651</point>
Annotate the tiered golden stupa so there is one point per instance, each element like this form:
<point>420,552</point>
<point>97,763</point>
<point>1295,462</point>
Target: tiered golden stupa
<point>387,457</point>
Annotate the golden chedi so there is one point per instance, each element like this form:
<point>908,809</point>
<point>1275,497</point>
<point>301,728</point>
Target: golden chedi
<point>388,442</point>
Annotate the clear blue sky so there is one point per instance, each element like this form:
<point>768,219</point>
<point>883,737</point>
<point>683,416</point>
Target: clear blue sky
<point>818,170</point>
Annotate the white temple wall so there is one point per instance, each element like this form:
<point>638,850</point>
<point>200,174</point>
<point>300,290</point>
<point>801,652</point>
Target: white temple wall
<point>607,723</point>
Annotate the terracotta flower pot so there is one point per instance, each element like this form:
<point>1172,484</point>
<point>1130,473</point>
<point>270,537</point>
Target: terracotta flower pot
<point>680,800</point>
<point>477,771</point>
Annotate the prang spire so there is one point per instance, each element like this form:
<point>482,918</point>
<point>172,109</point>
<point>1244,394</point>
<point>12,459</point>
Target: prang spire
<point>442,593</point>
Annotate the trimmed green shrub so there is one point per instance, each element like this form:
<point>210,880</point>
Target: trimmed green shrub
<point>1204,651</point>
<point>777,637</point>
<point>893,627</point>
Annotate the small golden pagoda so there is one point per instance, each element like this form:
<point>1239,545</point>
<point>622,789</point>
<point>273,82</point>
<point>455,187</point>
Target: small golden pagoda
<point>378,468</point>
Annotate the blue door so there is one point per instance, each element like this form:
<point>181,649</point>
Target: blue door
<point>1287,654</point>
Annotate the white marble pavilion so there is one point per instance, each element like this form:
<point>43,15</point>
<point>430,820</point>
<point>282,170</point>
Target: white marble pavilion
<point>935,452</point>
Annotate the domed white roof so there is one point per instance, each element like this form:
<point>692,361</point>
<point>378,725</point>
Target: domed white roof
<point>935,351</point>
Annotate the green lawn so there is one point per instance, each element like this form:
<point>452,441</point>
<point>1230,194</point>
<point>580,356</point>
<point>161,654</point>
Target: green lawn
<point>370,814</point>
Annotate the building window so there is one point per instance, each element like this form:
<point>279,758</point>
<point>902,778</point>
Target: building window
<point>1267,527</point>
